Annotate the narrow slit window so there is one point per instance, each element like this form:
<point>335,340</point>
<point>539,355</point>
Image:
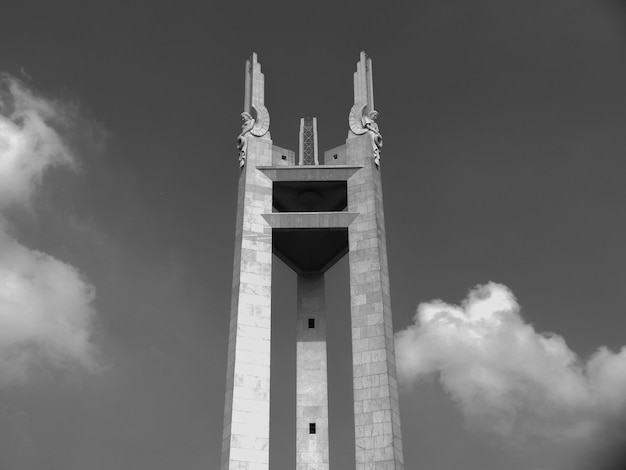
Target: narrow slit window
<point>311,428</point>
<point>311,322</point>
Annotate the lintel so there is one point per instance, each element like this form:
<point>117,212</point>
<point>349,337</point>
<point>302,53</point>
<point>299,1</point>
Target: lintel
<point>310,172</point>
<point>319,220</point>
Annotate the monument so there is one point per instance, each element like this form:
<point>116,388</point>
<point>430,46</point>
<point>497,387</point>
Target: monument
<point>310,215</point>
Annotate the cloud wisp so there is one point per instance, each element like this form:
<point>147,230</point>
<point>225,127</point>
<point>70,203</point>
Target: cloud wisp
<point>506,377</point>
<point>29,141</point>
<point>46,313</point>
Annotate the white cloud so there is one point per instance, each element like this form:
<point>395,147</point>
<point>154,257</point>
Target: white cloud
<point>45,312</point>
<point>506,377</point>
<point>46,316</point>
<point>29,142</point>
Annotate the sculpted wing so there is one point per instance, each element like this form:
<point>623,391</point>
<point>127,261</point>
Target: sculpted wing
<point>262,121</point>
<point>355,119</point>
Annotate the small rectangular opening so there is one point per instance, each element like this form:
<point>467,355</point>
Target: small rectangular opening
<point>311,428</point>
<point>335,157</point>
<point>311,322</point>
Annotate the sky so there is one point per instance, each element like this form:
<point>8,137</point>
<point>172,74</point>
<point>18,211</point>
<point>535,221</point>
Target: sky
<point>503,186</point>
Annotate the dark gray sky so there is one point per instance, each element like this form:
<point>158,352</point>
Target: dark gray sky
<point>504,160</point>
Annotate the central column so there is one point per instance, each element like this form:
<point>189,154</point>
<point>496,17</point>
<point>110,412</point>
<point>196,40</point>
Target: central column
<point>311,375</point>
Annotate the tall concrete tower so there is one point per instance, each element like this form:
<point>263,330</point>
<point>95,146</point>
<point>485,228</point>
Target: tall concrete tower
<point>310,215</point>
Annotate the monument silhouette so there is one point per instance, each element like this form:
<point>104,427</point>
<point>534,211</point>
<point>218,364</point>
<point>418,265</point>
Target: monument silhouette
<point>310,214</point>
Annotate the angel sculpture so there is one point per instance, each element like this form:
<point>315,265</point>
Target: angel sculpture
<point>257,126</point>
<point>363,121</point>
<point>242,141</point>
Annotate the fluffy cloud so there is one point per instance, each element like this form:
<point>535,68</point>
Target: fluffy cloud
<point>29,141</point>
<point>46,317</point>
<point>45,312</point>
<point>505,376</point>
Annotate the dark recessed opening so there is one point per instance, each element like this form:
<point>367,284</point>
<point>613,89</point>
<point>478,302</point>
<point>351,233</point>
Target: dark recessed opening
<point>310,250</point>
<point>311,322</point>
<point>284,157</point>
<point>335,157</point>
<point>310,196</point>
<point>311,428</point>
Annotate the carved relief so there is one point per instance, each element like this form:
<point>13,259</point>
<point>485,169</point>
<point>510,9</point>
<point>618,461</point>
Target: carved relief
<point>257,125</point>
<point>261,120</point>
<point>363,121</point>
<point>356,119</point>
<point>242,139</point>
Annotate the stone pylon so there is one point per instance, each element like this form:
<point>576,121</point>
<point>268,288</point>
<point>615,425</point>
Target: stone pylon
<point>310,215</point>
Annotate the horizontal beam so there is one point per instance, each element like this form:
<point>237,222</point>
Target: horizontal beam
<point>297,220</point>
<point>310,172</point>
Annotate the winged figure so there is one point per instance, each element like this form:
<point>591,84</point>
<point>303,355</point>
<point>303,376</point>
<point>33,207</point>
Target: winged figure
<point>257,125</point>
<point>363,121</point>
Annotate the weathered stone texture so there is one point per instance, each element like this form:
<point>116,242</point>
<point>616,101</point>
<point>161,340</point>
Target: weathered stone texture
<point>376,410</point>
<point>311,375</point>
<point>247,409</point>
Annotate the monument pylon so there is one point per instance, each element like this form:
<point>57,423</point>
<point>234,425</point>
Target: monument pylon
<point>310,215</point>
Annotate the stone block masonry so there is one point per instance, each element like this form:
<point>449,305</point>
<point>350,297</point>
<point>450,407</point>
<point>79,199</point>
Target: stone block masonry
<point>378,437</point>
<point>247,409</point>
<point>309,216</point>
<point>311,375</point>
